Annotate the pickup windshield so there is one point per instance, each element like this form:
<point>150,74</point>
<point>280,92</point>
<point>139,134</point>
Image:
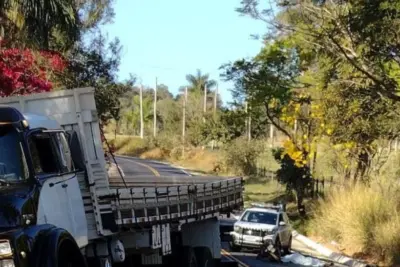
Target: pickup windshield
<point>260,217</point>
<point>12,160</point>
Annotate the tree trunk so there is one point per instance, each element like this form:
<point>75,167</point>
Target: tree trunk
<point>363,163</point>
<point>300,196</point>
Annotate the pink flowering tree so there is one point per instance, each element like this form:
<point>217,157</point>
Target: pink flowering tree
<point>23,71</point>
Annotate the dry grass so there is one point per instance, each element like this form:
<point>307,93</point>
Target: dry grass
<point>197,159</point>
<point>128,145</point>
<point>364,220</point>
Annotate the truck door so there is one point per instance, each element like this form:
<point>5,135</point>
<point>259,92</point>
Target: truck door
<point>73,191</point>
<point>60,201</point>
<point>53,207</point>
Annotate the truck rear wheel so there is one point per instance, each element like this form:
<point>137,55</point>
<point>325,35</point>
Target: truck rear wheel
<point>100,262</point>
<point>188,257</point>
<point>204,257</point>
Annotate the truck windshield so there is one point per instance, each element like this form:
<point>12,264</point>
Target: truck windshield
<point>260,217</point>
<point>13,165</point>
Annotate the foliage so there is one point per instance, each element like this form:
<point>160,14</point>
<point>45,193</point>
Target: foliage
<point>96,66</point>
<point>294,175</point>
<point>23,71</point>
<point>200,81</point>
<point>241,155</point>
<point>50,24</point>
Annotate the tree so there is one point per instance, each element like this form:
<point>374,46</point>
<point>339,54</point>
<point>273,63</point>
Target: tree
<point>96,65</point>
<point>94,13</point>
<point>271,81</point>
<point>25,71</point>
<point>359,34</point>
<point>49,24</point>
<point>350,52</point>
<point>199,81</point>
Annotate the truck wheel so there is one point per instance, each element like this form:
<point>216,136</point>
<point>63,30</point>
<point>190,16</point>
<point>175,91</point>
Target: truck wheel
<point>69,256</point>
<point>188,257</point>
<point>100,262</point>
<point>204,257</point>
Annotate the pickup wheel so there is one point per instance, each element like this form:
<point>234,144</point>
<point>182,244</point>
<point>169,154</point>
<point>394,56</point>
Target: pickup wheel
<point>188,257</point>
<point>287,249</point>
<point>278,248</point>
<point>204,257</point>
<point>233,247</point>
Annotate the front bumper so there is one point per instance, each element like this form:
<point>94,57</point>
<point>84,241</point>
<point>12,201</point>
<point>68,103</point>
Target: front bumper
<point>251,241</point>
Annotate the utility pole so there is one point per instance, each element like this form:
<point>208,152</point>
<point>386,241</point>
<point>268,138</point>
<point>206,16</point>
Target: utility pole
<point>155,110</point>
<point>205,103</point>
<point>215,113</point>
<point>248,121</point>
<point>141,111</point>
<point>215,101</point>
<point>184,122</point>
<point>271,135</point>
<point>184,115</point>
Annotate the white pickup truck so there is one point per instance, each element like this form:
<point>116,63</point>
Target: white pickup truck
<point>58,208</point>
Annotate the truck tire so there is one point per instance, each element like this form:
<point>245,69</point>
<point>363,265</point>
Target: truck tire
<point>188,258</point>
<point>100,262</point>
<point>204,257</point>
<point>64,253</point>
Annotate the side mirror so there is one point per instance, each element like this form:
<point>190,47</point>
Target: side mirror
<point>282,223</point>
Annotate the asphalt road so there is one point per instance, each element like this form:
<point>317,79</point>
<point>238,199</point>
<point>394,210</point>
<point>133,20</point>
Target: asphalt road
<point>134,167</point>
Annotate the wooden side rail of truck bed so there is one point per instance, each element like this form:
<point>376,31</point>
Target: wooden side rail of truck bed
<point>175,202</point>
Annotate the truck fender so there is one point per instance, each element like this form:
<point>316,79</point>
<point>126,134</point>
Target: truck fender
<point>50,243</point>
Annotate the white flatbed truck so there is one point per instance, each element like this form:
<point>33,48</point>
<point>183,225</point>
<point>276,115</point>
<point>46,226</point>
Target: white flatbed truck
<point>59,208</point>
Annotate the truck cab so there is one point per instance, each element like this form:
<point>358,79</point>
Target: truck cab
<point>38,185</point>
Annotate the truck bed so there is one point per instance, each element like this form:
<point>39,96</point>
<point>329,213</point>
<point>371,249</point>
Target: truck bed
<point>145,181</point>
<point>147,199</point>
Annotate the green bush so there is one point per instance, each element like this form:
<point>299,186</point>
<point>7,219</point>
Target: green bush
<point>240,156</point>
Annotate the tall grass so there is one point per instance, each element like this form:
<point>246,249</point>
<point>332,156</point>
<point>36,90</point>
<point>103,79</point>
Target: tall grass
<point>365,220</point>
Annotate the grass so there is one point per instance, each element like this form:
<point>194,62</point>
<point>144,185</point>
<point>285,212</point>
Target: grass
<point>128,145</point>
<point>365,221</point>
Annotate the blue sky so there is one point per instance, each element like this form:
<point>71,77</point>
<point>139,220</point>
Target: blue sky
<point>168,39</point>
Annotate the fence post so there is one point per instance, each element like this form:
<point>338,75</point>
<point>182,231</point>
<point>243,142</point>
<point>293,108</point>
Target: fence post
<point>312,187</point>
<point>331,180</point>
<point>323,186</point>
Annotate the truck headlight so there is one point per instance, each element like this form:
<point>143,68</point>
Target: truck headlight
<point>237,228</point>
<point>5,248</point>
